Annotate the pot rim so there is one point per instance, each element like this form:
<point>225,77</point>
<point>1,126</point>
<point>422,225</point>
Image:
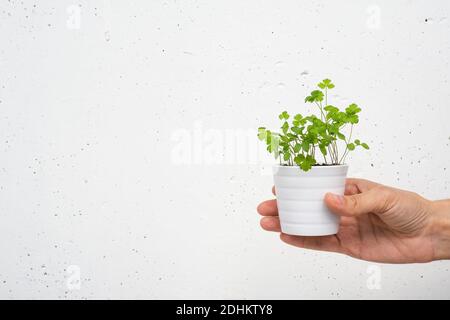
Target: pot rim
<point>329,167</point>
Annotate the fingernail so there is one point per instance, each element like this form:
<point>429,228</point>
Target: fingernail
<point>337,199</point>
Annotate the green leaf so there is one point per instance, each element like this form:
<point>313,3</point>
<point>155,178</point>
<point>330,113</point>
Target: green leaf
<point>316,96</point>
<point>268,137</point>
<point>307,163</point>
<point>331,112</point>
<point>297,147</point>
<point>296,130</point>
<point>352,109</point>
<point>326,83</point>
<point>323,149</point>
<point>357,142</point>
<point>305,146</point>
<point>331,108</point>
<point>340,136</point>
<point>311,159</point>
<point>284,115</point>
<point>274,145</point>
<point>326,139</point>
<point>353,119</point>
<point>262,133</point>
<point>284,139</point>
<point>291,136</point>
<point>365,145</point>
<point>286,156</point>
<point>305,166</point>
<point>299,159</point>
<point>333,128</point>
<point>297,120</point>
<point>351,146</point>
<point>285,127</point>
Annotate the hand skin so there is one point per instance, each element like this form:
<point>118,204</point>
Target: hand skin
<point>378,223</point>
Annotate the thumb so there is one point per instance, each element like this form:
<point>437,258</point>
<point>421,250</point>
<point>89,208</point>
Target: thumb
<point>376,200</point>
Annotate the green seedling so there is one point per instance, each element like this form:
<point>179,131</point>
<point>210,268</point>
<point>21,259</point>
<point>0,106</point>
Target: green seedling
<point>302,136</point>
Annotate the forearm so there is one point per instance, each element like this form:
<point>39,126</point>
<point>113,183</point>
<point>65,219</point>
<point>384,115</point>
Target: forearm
<point>441,228</point>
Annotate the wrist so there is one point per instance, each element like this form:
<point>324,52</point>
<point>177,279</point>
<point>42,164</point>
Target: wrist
<point>440,233</point>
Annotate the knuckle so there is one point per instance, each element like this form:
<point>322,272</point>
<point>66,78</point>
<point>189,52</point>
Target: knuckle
<point>387,196</point>
<point>352,203</point>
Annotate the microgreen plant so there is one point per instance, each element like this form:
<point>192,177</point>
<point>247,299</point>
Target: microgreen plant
<point>301,137</point>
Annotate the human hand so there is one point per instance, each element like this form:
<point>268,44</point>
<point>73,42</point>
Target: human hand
<point>378,223</point>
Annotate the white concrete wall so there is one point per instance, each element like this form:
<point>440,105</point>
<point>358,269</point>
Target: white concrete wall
<point>94,96</point>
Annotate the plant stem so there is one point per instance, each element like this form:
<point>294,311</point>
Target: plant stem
<point>322,115</point>
<point>292,154</point>
<point>346,145</point>
<point>335,151</point>
<point>331,152</point>
<point>324,158</point>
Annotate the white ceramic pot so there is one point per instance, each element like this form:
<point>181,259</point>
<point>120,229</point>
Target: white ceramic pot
<point>300,198</point>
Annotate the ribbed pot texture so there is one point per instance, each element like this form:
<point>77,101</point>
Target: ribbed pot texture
<point>300,196</point>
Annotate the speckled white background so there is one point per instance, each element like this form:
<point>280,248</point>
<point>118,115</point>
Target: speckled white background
<point>93,92</point>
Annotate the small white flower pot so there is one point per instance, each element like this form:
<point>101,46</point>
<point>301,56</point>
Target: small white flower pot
<point>300,198</point>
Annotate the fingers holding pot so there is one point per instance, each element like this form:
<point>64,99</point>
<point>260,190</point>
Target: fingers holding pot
<point>271,224</point>
<point>323,243</point>
<point>268,208</point>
